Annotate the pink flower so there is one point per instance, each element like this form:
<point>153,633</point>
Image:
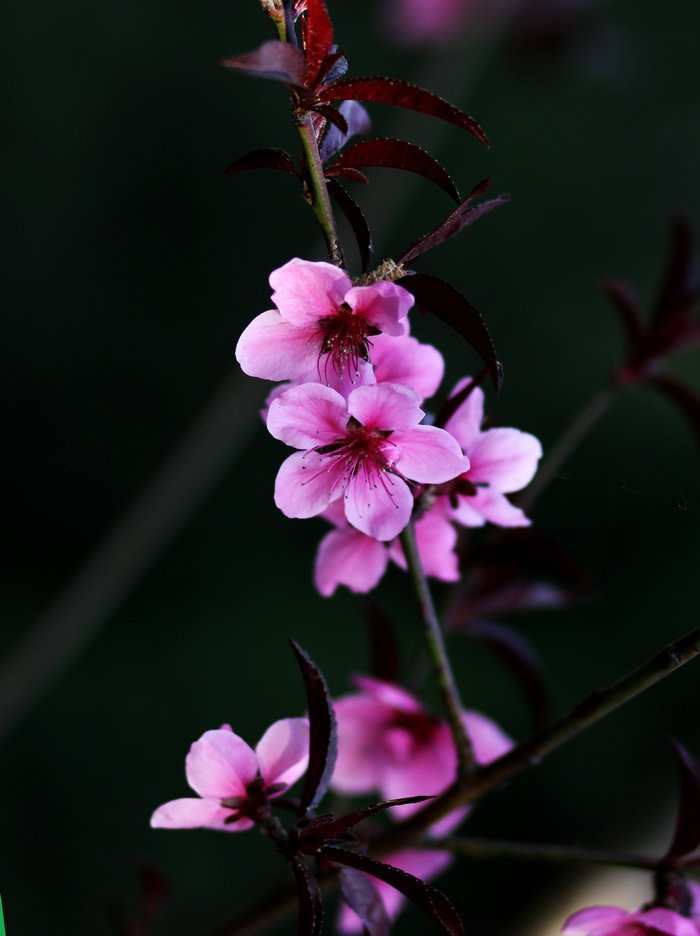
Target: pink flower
<point>234,781</point>
<point>408,362</point>
<point>366,451</point>
<point>612,921</point>
<point>501,461</point>
<point>347,557</point>
<point>421,864</point>
<point>322,325</point>
<point>388,742</point>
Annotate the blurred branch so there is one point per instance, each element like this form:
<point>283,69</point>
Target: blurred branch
<point>198,461</point>
<point>535,851</point>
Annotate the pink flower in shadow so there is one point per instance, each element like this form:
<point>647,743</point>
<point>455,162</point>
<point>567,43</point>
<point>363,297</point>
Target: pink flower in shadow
<point>233,781</point>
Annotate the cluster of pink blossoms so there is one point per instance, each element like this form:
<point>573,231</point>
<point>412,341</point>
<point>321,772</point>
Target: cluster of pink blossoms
<point>351,406</point>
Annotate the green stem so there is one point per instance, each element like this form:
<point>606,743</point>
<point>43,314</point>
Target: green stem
<point>318,190</point>
<point>438,655</point>
<point>549,854</point>
<point>530,752</point>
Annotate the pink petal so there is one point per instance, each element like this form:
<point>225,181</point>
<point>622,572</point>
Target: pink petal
<point>404,360</point>
<point>283,751</point>
<point>488,505</point>
<point>436,538</point>
<point>383,407</point>
<point>660,920</point>
<point>465,424</point>
<point>379,505</point>
<point>581,922</point>
<point>348,557</point>
<point>220,764</point>
<point>384,305</point>
<point>488,740</point>
<point>273,349</point>
<point>307,483</point>
<point>307,416</point>
<point>361,752</point>
<point>305,292</point>
<point>427,771</point>
<point>188,813</point>
<point>388,695</point>
<point>429,455</point>
<point>506,459</point>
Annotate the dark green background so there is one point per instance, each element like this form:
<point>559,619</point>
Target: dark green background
<point>132,265</point>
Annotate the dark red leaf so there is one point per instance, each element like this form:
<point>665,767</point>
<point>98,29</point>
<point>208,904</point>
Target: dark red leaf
<point>266,158</point>
<point>686,837</point>
<point>310,901</point>
<point>397,154</point>
<point>356,220</point>
<point>516,654</point>
<point>324,829</point>
<point>446,302</point>
<point>401,94</point>
<point>358,122</point>
<point>333,115</point>
<point>278,61</point>
<point>323,733</point>
<point>455,222</point>
<point>428,898</point>
<point>352,175</point>
<point>334,66</point>
<point>318,38</point>
<point>361,895</point>
<point>685,399</point>
<point>625,301</point>
<point>679,285</point>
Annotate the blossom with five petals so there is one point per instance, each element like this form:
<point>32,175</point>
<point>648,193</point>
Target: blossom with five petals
<point>321,328</point>
<point>388,742</point>
<point>233,781</point>
<point>366,450</point>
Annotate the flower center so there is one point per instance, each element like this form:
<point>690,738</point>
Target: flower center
<point>344,341</point>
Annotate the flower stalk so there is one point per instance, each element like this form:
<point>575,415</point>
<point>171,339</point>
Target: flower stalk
<point>435,644</point>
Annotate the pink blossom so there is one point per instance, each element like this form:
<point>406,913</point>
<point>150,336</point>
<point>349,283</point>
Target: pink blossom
<point>421,864</point>
<point>501,461</point>
<point>613,921</point>
<point>388,742</point>
<point>322,325</point>
<point>233,781</point>
<point>347,557</point>
<point>408,362</point>
<point>367,450</point>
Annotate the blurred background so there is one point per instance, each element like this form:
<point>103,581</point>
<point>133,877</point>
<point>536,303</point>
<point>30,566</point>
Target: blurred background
<point>131,266</point>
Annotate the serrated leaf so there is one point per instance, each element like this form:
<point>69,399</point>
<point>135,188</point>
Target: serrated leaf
<point>323,732</point>
<point>362,896</point>
<point>352,175</point>
<point>275,60</point>
<point>462,217</point>
<point>356,220</point>
<point>518,657</point>
<point>401,94</point>
<point>318,38</point>
<point>686,838</point>
<point>683,398</point>
<point>266,158</point>
<point>332,115</point>
<point>310,901</point>
<point>329,829</point>
<point>357,120</point>
<point>443,300</point>
<point>625,301</point>
<point>397,154</point>
<point>428,898</point>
